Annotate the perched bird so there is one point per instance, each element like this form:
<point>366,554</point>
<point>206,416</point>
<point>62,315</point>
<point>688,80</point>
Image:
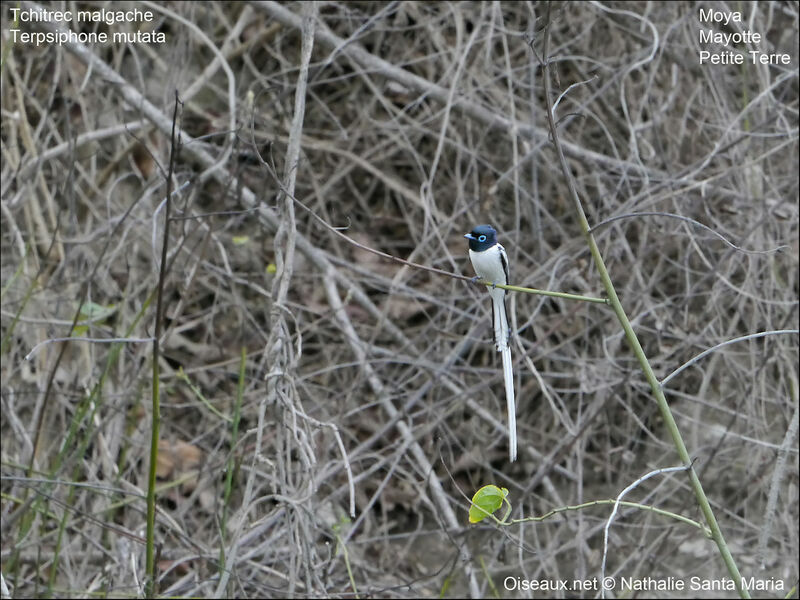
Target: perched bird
<point>490,262</point>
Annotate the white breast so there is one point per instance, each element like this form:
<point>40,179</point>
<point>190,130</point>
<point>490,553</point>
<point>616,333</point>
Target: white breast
<point>488,264</point>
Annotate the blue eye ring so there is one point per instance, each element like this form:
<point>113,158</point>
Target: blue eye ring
<point>481,238</point>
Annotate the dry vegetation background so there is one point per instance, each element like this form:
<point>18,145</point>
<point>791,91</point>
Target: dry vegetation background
<point>395,361</point>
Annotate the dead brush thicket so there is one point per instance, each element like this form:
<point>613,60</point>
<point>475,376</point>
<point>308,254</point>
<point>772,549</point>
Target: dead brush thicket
<point>421,120</point>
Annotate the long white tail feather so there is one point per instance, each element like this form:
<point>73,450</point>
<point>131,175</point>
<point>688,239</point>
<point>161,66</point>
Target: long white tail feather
<point>499,318</point>
<point>508,376</point>
<point>501,335</point>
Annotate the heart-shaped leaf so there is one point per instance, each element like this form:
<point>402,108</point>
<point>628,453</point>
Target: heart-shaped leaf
<point>485,501</point>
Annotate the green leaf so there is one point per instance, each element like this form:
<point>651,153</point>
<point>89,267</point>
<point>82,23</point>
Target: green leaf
<point>485,501</point>
<point>92,311</point>
<point>240,240</point>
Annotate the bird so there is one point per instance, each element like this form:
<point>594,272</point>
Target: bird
<point>490,262</point>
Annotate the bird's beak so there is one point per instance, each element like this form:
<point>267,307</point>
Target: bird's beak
<point>469,236</point>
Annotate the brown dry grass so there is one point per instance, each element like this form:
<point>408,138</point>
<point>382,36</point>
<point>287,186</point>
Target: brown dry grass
<point>396,360</point>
